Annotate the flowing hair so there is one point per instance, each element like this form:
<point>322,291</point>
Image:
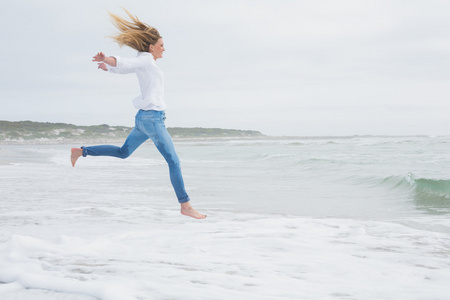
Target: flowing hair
<point>134,33</point>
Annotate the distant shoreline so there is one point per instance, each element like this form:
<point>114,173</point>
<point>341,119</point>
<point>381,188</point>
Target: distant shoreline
<point>29,132</point>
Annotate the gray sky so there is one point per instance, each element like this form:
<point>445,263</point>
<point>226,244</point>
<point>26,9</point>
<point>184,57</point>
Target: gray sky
<point>281,67</point>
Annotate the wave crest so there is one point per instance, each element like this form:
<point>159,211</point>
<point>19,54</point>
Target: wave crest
<point>429,193</point>
<point>430,187</point>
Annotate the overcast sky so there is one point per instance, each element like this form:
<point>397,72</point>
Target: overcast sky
<point>277,66</point>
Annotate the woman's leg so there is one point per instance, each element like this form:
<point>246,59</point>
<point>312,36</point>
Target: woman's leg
<point>152,124</point>
<point>156,130</point>
<point>133,141</point>
<point>165,146</point>
<point>164,143</point>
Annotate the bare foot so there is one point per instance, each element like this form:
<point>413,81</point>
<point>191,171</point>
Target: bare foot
<point>75,154</point>
<point>188,210</point>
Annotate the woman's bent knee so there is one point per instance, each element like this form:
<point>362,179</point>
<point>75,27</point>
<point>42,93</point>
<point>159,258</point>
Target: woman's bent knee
<point>124,153</point>
<point>173,161</point>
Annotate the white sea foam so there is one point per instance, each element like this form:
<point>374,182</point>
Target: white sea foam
<point>238,257</point>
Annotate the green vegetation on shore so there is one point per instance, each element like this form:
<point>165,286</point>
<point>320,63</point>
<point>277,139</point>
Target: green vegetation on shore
<point>28,131</point>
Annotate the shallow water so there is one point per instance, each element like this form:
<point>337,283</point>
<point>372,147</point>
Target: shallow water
<point>322,218</point>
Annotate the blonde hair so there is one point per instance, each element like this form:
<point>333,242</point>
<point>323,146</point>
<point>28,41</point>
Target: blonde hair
<point>134,33</point>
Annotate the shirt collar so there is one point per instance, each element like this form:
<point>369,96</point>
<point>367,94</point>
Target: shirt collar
<point>145,54</point>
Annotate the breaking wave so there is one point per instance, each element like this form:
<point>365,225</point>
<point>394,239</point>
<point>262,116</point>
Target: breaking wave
<point>426,192</point>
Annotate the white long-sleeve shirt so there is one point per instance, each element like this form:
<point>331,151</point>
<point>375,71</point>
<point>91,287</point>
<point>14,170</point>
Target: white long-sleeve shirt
<point>150,79</point>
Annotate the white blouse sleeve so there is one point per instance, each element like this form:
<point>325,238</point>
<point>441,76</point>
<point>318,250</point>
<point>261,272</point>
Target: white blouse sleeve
<point>126,65</point>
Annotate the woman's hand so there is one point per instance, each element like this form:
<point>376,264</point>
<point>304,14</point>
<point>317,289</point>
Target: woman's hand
<point>102,66</point>
<point>99,57</point>
<point>103,61</point>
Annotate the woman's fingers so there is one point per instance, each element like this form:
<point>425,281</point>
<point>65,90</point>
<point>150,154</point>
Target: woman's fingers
<point>102,66</point>
<point>99,57</point>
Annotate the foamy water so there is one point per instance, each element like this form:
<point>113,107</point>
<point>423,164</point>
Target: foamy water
<point>353,218</point>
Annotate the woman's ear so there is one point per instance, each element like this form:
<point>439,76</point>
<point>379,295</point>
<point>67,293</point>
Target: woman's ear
<point>150,48</point>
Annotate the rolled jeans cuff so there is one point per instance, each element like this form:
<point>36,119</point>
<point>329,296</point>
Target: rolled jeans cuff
<point>84,151</point>
<point>184,200</point>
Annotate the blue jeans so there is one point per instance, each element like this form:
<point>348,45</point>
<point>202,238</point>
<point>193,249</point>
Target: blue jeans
<point>149,124</point>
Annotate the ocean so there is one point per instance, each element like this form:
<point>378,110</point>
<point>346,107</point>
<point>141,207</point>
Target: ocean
<point>304,218</point>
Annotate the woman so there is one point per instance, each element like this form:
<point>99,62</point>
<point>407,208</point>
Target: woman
<point>150,117</point>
